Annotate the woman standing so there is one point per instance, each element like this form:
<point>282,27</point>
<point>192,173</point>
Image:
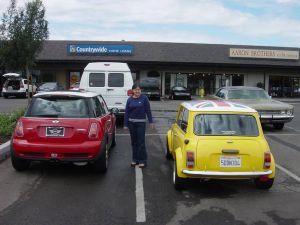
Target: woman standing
<point>137,107</point>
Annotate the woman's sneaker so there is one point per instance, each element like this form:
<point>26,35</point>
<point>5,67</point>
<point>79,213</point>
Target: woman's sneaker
<point>142,165</point>
<point>133,164</point>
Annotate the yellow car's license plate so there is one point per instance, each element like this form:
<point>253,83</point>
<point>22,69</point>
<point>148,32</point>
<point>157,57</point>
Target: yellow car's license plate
<point>230,161</point>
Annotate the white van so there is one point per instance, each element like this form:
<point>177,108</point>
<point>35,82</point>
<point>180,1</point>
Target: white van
<point>110,79</point>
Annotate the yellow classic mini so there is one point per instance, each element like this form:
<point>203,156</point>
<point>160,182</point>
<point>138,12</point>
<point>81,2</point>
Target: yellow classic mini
<point>219,140</point>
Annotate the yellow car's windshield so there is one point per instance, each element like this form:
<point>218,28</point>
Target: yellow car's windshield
<point>225,125</point>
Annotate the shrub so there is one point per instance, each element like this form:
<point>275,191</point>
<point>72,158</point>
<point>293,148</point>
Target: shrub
<point>8,121</point>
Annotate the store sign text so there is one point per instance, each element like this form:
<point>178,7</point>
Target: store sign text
<point>263,53</point>
<point>86,49</point>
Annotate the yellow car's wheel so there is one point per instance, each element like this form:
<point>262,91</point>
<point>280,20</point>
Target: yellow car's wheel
<point>264,184</point>
<point>179,183</point>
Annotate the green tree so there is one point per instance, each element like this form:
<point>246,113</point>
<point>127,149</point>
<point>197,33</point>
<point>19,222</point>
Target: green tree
<point>22,34</point>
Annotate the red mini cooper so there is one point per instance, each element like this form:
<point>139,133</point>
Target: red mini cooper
<point>64,126</point>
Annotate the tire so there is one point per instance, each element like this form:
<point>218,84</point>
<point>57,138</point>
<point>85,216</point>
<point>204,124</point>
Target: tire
<point>179,183</point>
<point>5,96</point>
<point>19,164</point>
<point>114,141</point>
<point>264,185</point>
<point>168,155</point>
<point>101,164</point>
<point>278,126</point>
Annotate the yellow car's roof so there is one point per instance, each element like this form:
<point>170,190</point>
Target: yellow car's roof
<point>216,106</point>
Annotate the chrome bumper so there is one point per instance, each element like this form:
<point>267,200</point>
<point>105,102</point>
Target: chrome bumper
<point>275,118</point>
<point>225,174</point>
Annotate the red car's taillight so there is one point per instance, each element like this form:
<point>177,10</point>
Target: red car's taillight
<point>19,129</point>
<point>129,92</point>
<point>190,160</point>
<point>93,131</point>
<point>267,160</point>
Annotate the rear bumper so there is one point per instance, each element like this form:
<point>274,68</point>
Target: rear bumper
<point>225,174</point>
<point>273,118</point>
<point>86,151</point>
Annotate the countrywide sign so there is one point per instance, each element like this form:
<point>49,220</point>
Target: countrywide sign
<point>95,49</point>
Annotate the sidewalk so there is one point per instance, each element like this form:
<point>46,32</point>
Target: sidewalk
<point>4,151</point>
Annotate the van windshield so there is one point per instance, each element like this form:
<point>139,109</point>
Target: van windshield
<point>225,125</point>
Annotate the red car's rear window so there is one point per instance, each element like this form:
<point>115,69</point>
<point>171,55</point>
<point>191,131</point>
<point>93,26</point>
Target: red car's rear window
<point>58,108</point>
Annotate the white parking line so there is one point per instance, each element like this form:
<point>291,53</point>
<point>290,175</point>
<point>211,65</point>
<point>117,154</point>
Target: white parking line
<point>139,192</point>
<point>286,171</point>
<point>292,128</point>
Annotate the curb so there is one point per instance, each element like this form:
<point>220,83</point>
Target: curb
<point>4,151</point>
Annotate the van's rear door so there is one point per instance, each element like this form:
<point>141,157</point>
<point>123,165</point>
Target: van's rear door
<point>97,83</point>
<point>116,95</point>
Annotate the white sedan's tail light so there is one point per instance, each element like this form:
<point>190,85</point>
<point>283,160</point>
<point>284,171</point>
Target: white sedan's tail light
<point>129,92</point>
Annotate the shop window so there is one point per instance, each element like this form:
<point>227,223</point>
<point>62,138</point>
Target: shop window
<point>153,74</point>
<point>74,77</point>
<point>48,77</point>
<point>284,86</point>
<point>237,80</point>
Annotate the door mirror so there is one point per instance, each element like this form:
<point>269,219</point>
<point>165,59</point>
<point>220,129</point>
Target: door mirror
<point>114,110</point>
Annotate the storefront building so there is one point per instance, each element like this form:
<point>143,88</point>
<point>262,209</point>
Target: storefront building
<point>276,69</point>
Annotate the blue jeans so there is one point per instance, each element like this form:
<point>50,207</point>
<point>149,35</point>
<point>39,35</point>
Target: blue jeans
<point>137,134</point>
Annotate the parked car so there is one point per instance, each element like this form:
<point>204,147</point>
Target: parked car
<point>49,86</point>
<point>180,93</point>
<point>64,126</point>
<point>219,140</point>
<point>270,111</point>
<point>75,86</point>
<point>151,88</point>
<point>110,79</point>
<point>16,86</point>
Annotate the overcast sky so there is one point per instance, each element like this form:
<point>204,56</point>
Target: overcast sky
<point>246,22</point>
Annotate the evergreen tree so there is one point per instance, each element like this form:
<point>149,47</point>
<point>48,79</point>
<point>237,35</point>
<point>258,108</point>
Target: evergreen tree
<point>22,34</point>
